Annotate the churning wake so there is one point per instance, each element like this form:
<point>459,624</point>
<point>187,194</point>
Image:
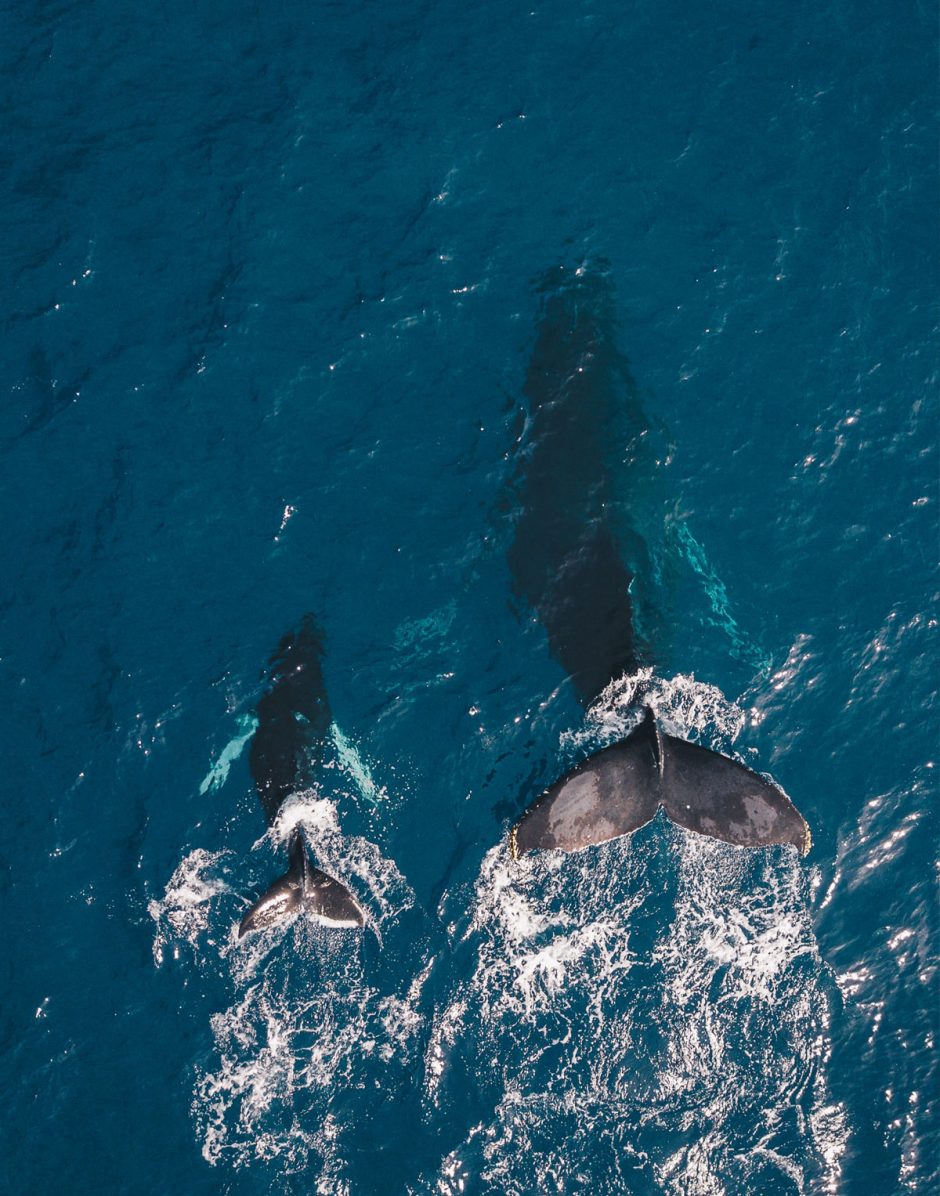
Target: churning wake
<point>305,1023</point>
<point>652,1013</point>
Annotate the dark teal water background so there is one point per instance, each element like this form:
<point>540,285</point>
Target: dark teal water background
<point>267,297</point>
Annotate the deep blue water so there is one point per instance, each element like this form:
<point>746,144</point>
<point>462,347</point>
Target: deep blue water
<point>268,295</point>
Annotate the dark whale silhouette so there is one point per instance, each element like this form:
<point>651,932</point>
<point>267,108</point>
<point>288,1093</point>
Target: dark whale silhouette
<point>567,564</point>
<point>293,721</point>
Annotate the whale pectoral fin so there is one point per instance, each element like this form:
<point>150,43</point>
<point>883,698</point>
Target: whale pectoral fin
<point>711,794</point>
<point>612,793</point>
<point>303,887</point>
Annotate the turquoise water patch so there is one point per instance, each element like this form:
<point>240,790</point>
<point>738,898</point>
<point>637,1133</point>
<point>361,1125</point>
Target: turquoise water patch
<point>416,634</point>
<point>742,647</point>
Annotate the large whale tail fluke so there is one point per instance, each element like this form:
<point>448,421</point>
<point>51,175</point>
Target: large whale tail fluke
<point>303,887</point>
<point>620,788</point>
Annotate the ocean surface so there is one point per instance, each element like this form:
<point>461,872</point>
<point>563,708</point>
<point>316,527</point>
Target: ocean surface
<point>270,284</point>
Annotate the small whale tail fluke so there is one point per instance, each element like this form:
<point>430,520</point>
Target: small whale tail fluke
<point>303,887</point>
<point>620,788</point>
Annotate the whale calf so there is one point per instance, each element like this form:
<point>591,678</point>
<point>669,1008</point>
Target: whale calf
<point>567,565</point>
<point>293,721</point>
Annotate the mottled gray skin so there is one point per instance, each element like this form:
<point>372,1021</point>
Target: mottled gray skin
<point>566,564</point>
<point>619,789</point>
<point>293,721</point>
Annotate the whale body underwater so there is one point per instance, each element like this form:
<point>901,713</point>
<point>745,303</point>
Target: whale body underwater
<point>568,567</point>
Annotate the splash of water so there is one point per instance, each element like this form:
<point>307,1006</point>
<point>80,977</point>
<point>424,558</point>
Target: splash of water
<point>287,1049</point>
<point>303,1023</point>
<point>182,916</point>
<point>691,709</point>
<point>652,1013</point>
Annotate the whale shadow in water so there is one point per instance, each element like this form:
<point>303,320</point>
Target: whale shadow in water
<point>293,721</point>
<point>567,562</point>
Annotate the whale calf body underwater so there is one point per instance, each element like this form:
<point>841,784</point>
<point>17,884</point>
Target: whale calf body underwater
<point>567,562</point>
<point>293,721</point>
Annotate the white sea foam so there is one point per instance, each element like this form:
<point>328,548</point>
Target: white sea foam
<point>653,1012</point>
<point>301,1034</point>
<point>747,998</point>
<point>304,1024</point>
<point>182,916</point>
<point>686,707</point>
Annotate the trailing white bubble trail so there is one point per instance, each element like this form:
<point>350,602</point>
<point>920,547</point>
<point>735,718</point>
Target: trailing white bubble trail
<point>652,1013</point>
<point>305,1024</point>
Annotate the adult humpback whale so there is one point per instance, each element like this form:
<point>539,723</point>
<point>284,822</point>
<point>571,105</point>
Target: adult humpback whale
<point>293,721</point>
<point>567,564</point>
